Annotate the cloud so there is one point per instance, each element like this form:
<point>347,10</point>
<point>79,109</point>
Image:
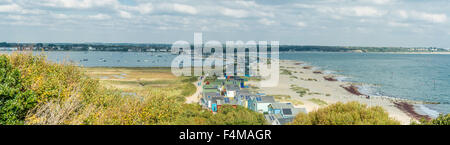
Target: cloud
<point>398,24</point>
<point>78,4</point>
<point>430,17</point>
<point>125,14</point>
<point>99,17</point>
<point>424,16</point>
<point>301,24</point>
<point>365,11</point>
<point>355,11</point>
<point>237,13</point>
<point>10,8</point>
<point>184,9</point>
<point>266,21</point>
<point>379,2</point>
<point>15,8</point>
<point>239,17</point>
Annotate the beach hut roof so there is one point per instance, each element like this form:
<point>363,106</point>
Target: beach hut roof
<point>282,105</point>
<point>265,99</point>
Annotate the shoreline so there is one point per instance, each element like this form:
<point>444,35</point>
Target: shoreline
<point>325,87</point>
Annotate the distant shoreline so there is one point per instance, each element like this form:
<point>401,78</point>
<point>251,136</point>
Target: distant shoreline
<point>281,51</point>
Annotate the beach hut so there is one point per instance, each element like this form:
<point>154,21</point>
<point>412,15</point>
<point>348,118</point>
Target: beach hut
<point>260,103</point>
<point>286,110</point>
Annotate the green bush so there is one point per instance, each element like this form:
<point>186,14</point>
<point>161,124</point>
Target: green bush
<point>15,100</point>
<point>440,120</point>
<point>228,115</point>
<point>352,113</point>
<point>35,91</point>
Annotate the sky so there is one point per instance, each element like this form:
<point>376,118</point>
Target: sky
<point>401,23</point>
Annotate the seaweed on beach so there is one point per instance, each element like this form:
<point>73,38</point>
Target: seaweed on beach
<point>352,89</point>
<point>409,109</point>
<point>329,78</point>
<point>317,72</point>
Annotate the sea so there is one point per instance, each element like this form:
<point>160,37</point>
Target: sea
<point>418,77</point>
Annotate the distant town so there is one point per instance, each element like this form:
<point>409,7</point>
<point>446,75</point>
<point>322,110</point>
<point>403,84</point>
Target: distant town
<point>155,47</point>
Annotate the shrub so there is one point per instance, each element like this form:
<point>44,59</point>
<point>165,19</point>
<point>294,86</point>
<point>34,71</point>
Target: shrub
<point>228,115</point>
<point>440,120</point>
<point>15,99</point>
<point>352,113</point>
<point>34,91</point>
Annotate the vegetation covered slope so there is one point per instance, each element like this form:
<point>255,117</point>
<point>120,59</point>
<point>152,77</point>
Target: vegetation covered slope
<point>34,91</point>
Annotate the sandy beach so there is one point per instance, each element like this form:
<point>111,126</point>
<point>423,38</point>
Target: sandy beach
<point>313,89</point>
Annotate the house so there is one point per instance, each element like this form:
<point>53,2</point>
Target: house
<point>260,103</point>
<point>210,86</point>
<point>226,101</point>
<point>210,101</point>
<point>282,113</point>
<point>243,96</point>
<point>277,119</point>
<point>286,110</point>
<point>231,90</point>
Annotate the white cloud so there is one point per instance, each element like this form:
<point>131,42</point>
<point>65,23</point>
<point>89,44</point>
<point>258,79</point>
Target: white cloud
<point>237,13</point>
<point>379,2</point>
<point>362,11</point>
<point>99,17</point>
<point>266,21</point>
<point>15,8</point>
<point>398,24</point>
<point>301,24</point>
<point>230,15</point>
<point>424,16</point>
<point>60,16</point>
<point>184,9</point>
<point>78,4</point>
<point>358,11</point>
<point>15,17</point>
<point>10,8</point>
<point>430,17</point>
<point>145,8</point>
<point>125,14</point>
<point>402,14</point>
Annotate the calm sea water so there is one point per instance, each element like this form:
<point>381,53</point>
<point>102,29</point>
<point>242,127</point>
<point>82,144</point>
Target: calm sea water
<point>421,77</point>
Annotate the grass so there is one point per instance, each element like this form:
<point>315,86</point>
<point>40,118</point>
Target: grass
<point>314,93</point>
<point>139,79</point>
<point>286,72</point>
<point>299,90</point>
<point>318,101</point>
<point>287,98</point>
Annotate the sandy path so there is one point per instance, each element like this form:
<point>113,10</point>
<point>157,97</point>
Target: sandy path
<point>195,98</point>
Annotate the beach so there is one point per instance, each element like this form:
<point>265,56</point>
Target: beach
<point>313,89</point>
